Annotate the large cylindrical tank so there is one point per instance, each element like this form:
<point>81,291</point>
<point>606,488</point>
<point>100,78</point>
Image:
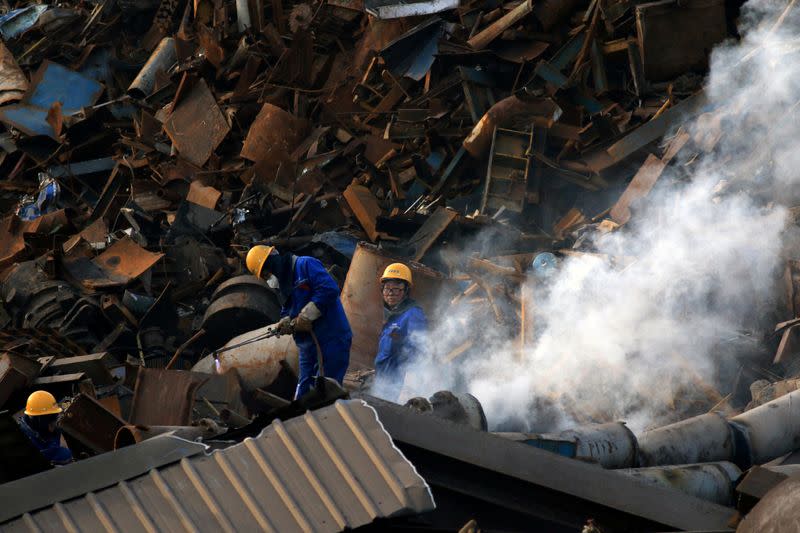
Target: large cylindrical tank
<point>701,439</point>
<point>710,481</point>
<point>363,303</point>
<point>612,445</point>
<point>772,429</point>
<point>239,305</point>
<point>258,363</point>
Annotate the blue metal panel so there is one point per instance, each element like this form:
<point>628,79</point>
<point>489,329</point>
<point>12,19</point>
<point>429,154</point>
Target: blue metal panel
<point>54,82</point>
<point>561,447</point>
<point>17,21</point>
<point>51,83</point>
<point>550,74</point>
<point>28,119</point>
<point>567,53</point>
<point>343,243</point>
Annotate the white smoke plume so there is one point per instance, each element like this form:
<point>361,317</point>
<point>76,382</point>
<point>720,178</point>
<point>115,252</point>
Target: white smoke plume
<point>700,264</point>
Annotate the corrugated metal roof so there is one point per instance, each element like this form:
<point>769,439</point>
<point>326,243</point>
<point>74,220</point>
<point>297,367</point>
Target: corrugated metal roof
<point>327,470</point>
<point>93,474</point>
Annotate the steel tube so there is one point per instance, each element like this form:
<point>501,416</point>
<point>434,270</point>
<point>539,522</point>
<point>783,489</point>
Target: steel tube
<point>713,482</point>
<point>701,439</point>
<point>243,15</point>
<point>772,429</point>
<point>163,57</point>
<point>612,445</point>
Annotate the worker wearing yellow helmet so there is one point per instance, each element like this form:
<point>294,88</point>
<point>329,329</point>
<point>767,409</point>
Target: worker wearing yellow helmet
<point>39,425</point>
<point>311,305</point>
<point>402,337</point>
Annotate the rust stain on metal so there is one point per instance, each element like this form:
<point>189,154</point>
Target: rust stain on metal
<point>89,422</point>
<point>119,265</point>
<point>203,195</point>
<point>273,135</point>
<point>197,126</point>
<point>164,397</point>
<point>12,234</point>
<point>13,82</point>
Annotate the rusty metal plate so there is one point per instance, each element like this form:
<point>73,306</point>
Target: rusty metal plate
<point>12,233</point>
<point>90,424</point>
<point>274,134</point>
<point>197,125</point>
<point>13,83</point>
<point>165,397</point>
<point>203,195</point>
<point>117,266</point>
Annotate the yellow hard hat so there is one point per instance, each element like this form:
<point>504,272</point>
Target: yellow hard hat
<point>397,271</point>
<point>257,257</point>
<point>41,403</point>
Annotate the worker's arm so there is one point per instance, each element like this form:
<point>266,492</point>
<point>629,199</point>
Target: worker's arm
<point>324,290</point>
<point>416,333</point>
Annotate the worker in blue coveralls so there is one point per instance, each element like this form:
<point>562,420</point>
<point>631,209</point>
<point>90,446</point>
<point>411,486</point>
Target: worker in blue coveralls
<point>38,423</point>
<point>404,326</point>
<point>311,309</point>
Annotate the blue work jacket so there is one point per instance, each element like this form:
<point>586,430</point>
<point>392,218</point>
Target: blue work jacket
<point>312,283</point>
<point>400,341</point>
<point>49,444</point>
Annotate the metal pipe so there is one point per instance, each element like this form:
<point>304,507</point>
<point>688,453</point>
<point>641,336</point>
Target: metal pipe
<point>163,57</point>
<point>713,482</point>
<point>612,445</point>
<point>460,408</point>
<point>243,15</point>
<point>701,439</point>
<point>258,363</point>
<point>770,430</point>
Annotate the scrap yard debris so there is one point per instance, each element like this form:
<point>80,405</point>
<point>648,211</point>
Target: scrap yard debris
<point>450,265</point>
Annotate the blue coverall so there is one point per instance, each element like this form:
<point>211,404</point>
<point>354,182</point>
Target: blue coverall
<point>400,341</point>
<point>48,444</point>
<point>312,283</point>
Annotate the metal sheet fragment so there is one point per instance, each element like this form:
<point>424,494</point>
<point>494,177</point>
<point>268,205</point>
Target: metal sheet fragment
<point>13,83</point>
<point>50,84</point>
<point>197,126</point>
<point>123,262</point>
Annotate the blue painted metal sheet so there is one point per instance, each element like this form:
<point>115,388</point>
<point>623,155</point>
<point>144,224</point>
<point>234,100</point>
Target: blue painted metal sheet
<point>52,83</point>
<point>17,21</point>
<point>343,243</point>
<point>564,448</point>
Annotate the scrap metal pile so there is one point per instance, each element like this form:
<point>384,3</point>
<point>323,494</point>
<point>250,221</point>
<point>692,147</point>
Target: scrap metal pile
<point>147,146</point>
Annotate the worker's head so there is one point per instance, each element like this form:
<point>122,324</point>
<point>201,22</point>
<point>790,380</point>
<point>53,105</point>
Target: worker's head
<point>42,410</point>
<point>396,284</point>
<point>257,260</point>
